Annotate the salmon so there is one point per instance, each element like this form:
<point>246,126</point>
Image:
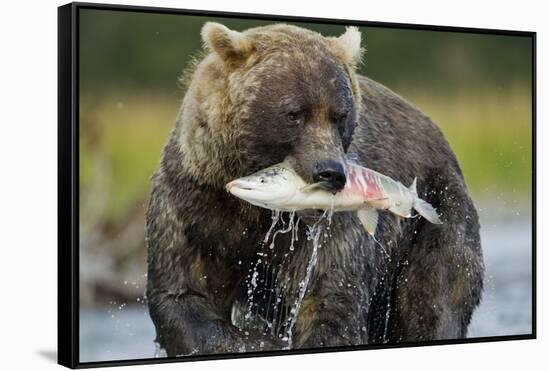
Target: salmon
<point>279,187</point>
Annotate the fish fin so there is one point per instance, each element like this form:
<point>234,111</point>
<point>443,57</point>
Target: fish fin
<point>427,211</point>
<point>379,203</point>
<point>412,188</point>
<point>369,218</point>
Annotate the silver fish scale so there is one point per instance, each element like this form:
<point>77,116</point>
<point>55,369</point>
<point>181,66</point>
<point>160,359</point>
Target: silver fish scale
<point>388,185</point>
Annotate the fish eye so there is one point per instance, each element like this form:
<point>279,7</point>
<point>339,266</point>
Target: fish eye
<point>262,180</point>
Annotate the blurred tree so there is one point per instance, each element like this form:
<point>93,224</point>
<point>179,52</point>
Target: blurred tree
<point>126,50</point>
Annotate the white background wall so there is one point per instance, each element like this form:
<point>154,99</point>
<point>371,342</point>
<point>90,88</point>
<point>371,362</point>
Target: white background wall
<point>28,181</point>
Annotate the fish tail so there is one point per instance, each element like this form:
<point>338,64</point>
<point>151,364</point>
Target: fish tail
<point>427,211</point>
<point>423,207</point>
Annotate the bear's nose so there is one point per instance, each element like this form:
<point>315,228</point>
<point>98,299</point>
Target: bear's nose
<point>330,174</point>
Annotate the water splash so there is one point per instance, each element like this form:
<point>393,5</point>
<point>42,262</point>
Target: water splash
<point>383,248</point>
<point>388,302</point>
<point>313,234</point>
<point>252,282</point>
<point>251,286</point>
<point>275,217</point>
<point>277,297</point>
<point>294,237</point>
<point>330,214</point>
<point>284,311</point>
<point>387,320</point>
<point>283,230</point>
<point>159,351</point>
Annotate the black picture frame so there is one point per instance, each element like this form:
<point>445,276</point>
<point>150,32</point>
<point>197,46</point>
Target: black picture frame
<point>68,182</point>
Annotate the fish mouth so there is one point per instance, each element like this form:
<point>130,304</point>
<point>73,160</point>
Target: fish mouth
<point>250,192</point>
<point>239,184</point>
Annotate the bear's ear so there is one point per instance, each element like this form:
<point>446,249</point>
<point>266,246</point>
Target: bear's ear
<point>231,46</point>
<point>348,46</point>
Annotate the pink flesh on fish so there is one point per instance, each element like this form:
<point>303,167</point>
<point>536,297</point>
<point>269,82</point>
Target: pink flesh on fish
<point>362,182</point>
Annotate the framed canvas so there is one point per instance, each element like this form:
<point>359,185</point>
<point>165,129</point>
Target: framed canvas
<point>241,185</point>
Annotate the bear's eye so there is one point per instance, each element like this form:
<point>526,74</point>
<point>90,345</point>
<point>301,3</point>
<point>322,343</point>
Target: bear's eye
<point>294,117</point>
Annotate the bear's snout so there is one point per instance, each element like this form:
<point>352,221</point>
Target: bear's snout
<point>330,173</point>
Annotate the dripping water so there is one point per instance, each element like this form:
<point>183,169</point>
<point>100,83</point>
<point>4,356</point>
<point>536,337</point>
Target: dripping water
<point>275,216</point>
<point>278,299</point>
<point>252,283</point>
<point>387,319</point>
<point>313,234</point>
<point>388,304</point>
<point>160,352</point>
<point>294,236</point>
<point>283,230</point>
<point>254,276</point>
<point>278,302</point>
<point>383,248</point>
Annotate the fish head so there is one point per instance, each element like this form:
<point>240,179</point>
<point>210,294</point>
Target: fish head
<point>269,188</point>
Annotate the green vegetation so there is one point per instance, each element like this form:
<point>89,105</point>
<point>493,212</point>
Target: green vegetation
<point>490,132</point>
<point>122,137</point>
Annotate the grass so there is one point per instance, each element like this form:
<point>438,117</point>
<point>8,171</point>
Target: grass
<point>491,134</point>
<point>122,136</point>
<point>128,134</point>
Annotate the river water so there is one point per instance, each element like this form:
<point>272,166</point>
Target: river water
<point>126,332</point>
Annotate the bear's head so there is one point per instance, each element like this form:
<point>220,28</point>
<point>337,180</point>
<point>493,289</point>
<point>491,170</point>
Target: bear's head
<point>270,94</point>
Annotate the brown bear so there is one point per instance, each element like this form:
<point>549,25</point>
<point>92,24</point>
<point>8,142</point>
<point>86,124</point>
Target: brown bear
<point>215,285</point>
